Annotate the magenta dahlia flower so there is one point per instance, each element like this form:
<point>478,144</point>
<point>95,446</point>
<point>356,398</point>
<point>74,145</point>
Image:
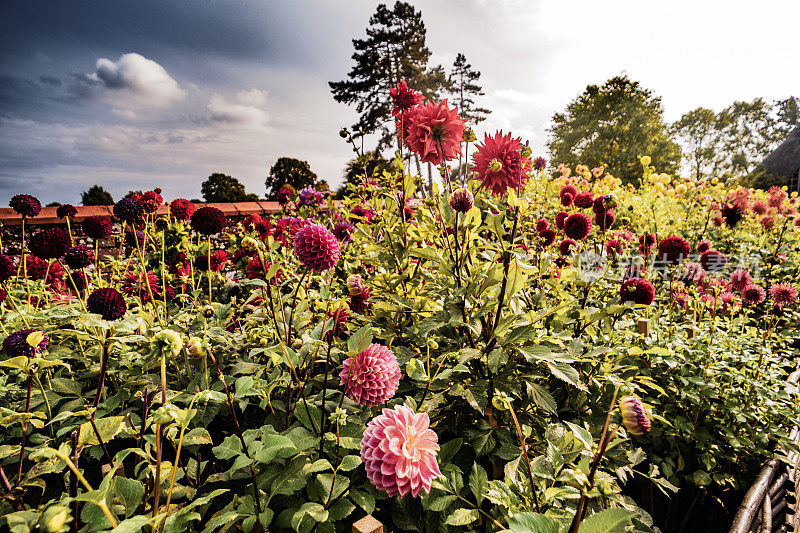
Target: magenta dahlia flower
<point>561,216</point>
<point>673,249</point>
<point>614,247</point>
<point>547,237</point>
<point>539,163</point>
<point>577,226</point>
<point>638,291</point>
<point>399,452</point>
<point>316,247</point>
<point>434,132</point>
<point>181,209</point>
<point>499,164</point>
<point>604,220</point>
<point>79,256</point>
<point>20,342</point>
<point>566,246</point>
<point>97,227</point>
<point>107,302</point>
<point>753,294</point>
<point>713,261</point>
<point>39,268</point>
<point>634,415</point>
<point>218,260</point>
<point>568,189</point>
<point>66,211</point>
<point>542,224</point>
<point>703,247</point>
<point>128,210</point>
<point>767,223</point>
<point>25,205</point>
<point>208,220</point>
<point>783,294</point>
<point>6,267</point>
<point>339,317</point>
<point>49,243</point>
<point>141,284</point>
<point>372,376</point>
<point>599,205</point>
<point>583,199</point>
<point>360,302</point>
<point>344,231</point>
<point>740,279</point>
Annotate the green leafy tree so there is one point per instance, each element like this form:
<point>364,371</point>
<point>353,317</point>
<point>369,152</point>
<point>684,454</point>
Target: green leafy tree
<point>294,172</point>
<point>748,134</point>
<point>369,165</point>
<point>464,86</point>
<point>96,195</point>
<point>698,132</point>
<point>393,51</point>
<point>614,124</point>
<point>223,188</point>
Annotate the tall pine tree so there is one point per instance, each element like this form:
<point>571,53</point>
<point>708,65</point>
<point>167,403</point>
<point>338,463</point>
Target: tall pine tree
<point>464,88</point>
<point>393,51</point>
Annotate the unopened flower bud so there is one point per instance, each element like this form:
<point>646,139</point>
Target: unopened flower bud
<point>195,347</point>
<point>169,341</point>
<point>469,135</point>
<point>609,201</point>
<point>343,133</point>
<point>634,415</point>
<point>495,165</point>
<point>355,285</point>
<point>462,200</point>
<point>501,401</point>
<point>208,311</point>
<point>526,151</point>
<point>645,160</point>
<point>432,344</point>
<point>249,244</point>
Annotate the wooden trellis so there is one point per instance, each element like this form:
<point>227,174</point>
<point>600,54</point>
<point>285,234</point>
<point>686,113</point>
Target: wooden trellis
<point>771,503</point>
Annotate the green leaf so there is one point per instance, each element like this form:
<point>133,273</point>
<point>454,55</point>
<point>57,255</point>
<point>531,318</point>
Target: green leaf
<point>272,445</point>
<point>230,447</point>
<point>364,500</point>
<point>607,521</point>
<point>108,427</point>
<point>567,374</point>
<point>462,517</point>
<point>542,397</point>
<point>130,491</point>
<point>448,450</point>
<point>360,340</point>
<point>478,480</point>
<point>349,462</point>
<point>311,509</point>
<point>441,503</point>
<point>132,525</point>
<point>197,436</point>
<point>528,522</point>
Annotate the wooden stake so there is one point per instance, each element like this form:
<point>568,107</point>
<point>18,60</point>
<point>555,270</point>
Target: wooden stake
<point>643,326</point>
<point>368,524</point>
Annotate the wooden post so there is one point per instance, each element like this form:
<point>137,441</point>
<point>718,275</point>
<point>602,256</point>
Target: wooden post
<point>368,524</point>
<point>691,333</point>
<point>643,326</point>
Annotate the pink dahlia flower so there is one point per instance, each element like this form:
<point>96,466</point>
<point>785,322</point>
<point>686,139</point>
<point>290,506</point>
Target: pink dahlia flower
<point>434,132</point>
<point>753,294</point>
<point>399,452</point>
<point>740,279</point>
<point>783,294</point>
<point>372,376</point>
<point>634,415</point>
<point>512,169</point>
<point>316,247</point>
<point>404,98</point>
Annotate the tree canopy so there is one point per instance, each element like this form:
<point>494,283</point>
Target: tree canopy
<point>613,125</point>
<point>221,187</point>
<point>370,164</point>
<point>393,51</point>
<point>96,195</point>
<point>294,172</point>
<point>464,89</point>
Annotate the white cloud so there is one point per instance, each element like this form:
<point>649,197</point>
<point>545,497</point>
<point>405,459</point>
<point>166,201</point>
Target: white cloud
<point>131,82</point>
<point>247,110</point>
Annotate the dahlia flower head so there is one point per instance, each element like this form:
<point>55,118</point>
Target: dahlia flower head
<point>3,295</point>
<point>637,290</point>
<point>732,214</point>
<point>399,452</point>
<point>634,415</point>
<point>404,98</point>
<point>309,197</point>
<point>740,279</point>
<point>97,227</point>
<point>542,224</point>
<point>26,342</point>
<point>344,231</point>
<point>208,220</point>
<point>128,210</point>
<point>25,205</point>
<point>360,302</point>
<point>218,260</point>
<point>713,261</point>
<point>49,243</point>
<point>339,317</point>
<point>151,200</point>
<point>79,256</point>
<point>547,237</point>
<point>435,132</point>
<point>512,170</point>
<point>604,220</point>
<point>561,216</point>
<point>181,209</point>
<point>79,280</point>
<point>316,247</point>
<point>583,199</point>
<point>566,246</point>
<point>39,268</point>
<point>462,200</point>
<point>284,196</point>
<point>614,247</point>
<point>753,294</point>
<point>66,211</point>
<point>372,376</point>
<point>135,237</point>
<point>539,163</point>
<point>577,226</point>
<point>141,284</point>
<point>6,267</point>
<point>783,294</point>
<point>673,249</point>
<point>355,285</point>
<point>703,247</point>
<point>107,302</point>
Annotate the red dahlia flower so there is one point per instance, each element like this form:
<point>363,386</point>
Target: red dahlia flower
<point>434,132</point>
<point>584,199</point>
<point>97,227</point>
<point>181,209</point>
<point>404,98</point>
<point>674,249</point>
<point>783,294</point>
<point>565,247</point>
<point>577,226</point>
<point>512,170</point>
<point>637,290</point>
<point>372,376</point>
<point>107,302</point>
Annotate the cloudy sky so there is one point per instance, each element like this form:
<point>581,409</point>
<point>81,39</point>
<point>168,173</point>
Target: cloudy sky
<point>134,94</point>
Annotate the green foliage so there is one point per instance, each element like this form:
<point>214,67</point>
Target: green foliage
<point>96,195</point>
<point>295,173</point>
<point>464,86</point>
<point>614,124</point>
<point>220,187</point>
